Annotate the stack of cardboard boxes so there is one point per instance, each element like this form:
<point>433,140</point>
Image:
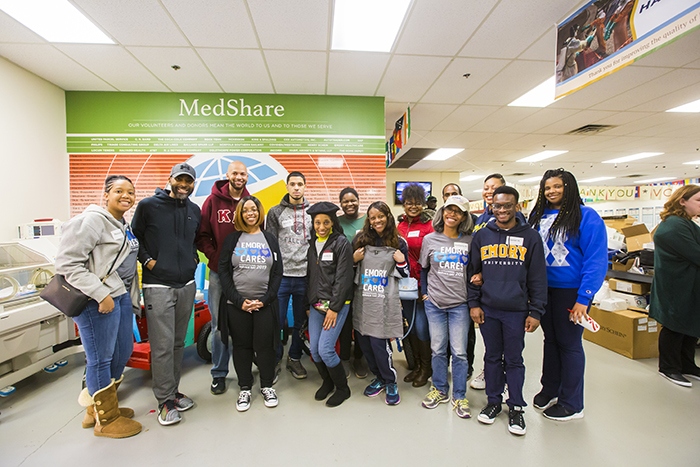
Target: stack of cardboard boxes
<point>628,332</point>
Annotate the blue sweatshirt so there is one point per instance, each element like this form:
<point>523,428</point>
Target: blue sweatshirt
<point>487,216</point>
<point>513,270</point>
<point>580,262</point>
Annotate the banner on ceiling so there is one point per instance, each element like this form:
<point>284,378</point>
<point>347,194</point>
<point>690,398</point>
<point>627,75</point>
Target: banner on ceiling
<point>606,35</point>
<point>402,131</point>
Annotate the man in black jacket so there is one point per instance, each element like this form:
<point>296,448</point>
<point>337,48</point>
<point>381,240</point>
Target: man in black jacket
<point>166,225</point>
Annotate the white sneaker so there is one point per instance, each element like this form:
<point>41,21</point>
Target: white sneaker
<point>270,397</point>
<point>243,402</point>
<point>479,382</point>
<point>506,395</point>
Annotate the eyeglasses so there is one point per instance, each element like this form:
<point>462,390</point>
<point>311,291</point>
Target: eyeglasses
<point>502,207</point>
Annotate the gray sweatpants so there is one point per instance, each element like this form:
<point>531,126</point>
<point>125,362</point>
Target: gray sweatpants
<point>168,311</point>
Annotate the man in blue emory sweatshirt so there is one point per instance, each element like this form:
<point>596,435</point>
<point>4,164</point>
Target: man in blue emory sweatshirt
<point>510,256</point>
<point>165,225</point>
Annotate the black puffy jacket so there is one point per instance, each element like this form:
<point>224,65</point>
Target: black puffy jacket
<point>330,276</point>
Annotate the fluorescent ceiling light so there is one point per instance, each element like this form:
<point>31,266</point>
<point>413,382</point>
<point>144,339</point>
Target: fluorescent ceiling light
<point>55,21</point>
<point>531,179</point>
<point>598,179</point>
<point>692,163</point>
<point>653,180</point>
<point>540,96</point>
<point>470,178</point>
<point>367,25</point>
<point>689,107</point>
<point>633,157</point>
<point>540,156</point>
<point>442,154</point>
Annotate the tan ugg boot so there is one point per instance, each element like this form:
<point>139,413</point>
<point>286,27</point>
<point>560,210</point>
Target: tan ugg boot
<point>89,418</point>
<point>109,422</point>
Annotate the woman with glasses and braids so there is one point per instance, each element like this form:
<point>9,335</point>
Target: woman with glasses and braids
<point>575,247</point>
<point>414,225</point>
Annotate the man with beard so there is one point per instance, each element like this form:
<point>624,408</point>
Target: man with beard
<point>166,225</point>
<point>217,222</point>
<point>291,225</point>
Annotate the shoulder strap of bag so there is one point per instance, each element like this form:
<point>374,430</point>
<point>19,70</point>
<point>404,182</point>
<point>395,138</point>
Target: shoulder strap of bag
<point>115,259</point>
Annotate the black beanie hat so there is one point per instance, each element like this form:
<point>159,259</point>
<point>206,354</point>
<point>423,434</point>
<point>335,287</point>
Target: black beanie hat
<point>324,207</point>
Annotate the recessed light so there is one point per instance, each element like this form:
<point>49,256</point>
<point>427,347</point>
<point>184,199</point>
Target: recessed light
<point>367,25</point>
<point>598,179</point>
<point>540,96</point>
<point>470,178</point>
<point>653,180</point>
<point>442,154</point>
<point>633,157</point>
<point>691,107</point>
<point>531,179</point>
<point>691,163</point>
<point>55,21</point>
<point>540,156</point>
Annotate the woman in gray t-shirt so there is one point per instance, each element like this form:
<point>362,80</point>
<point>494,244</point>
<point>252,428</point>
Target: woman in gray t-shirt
<point>250,270</point>
<point>444,257</point>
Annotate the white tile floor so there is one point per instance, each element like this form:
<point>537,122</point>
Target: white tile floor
<point>632,417</point>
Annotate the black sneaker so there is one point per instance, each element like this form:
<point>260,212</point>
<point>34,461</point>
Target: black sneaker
<point>676,378</point>
<point>489,413</point>
<point>693,373</point>
<point>516,421</point>
<point>561,413</point>
<point>543,401</point>
<point>218,386</point>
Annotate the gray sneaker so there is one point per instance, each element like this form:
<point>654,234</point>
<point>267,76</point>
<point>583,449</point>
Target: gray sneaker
<point>479,382</point>
<point>360,367</point>
<point>434,398</point>
<point>461,408</point>
<point>296,368</point>
<point>346,367</point>
<point>182,402</point>
<point>168,414</point>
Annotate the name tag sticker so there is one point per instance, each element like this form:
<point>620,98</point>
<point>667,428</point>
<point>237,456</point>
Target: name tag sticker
<point>414,233</point>
<point>327,256</point>
<point>515,241</point>
<point>462,246</point>
<point>117,235</point>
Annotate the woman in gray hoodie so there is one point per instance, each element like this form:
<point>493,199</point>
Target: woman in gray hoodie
<point>97,255</point>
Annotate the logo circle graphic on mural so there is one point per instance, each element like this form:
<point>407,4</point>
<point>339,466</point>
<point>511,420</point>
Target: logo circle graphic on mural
<point>263,172</point>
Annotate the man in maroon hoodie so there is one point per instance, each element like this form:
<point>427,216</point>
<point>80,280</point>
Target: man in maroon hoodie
<point>217,222</point>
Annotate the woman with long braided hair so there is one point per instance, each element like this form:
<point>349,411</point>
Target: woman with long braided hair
<point>575,246</point>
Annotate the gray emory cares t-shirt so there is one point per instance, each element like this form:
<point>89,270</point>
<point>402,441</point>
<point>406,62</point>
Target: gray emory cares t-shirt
<point>447,258</point>
<point>251,261</point>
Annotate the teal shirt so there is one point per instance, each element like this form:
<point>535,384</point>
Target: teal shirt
<point>351,227</point>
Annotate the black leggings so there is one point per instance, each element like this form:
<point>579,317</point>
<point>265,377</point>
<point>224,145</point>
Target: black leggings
<point>253,334</point>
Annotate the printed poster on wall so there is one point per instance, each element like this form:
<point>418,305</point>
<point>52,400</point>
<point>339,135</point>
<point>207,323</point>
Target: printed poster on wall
<point>606,35</point>
<point>335,141</point>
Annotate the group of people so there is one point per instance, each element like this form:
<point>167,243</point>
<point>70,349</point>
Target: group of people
<point>342,275</point>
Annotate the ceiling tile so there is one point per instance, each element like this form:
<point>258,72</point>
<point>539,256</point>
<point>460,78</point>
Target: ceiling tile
<point>579,119</point>
<point>408,78</point>
<point>470,139</point>
<point>453,88</point>
<point>518,24</point>
<point>466,116</point>
<point>115,65</point>
<point>512,82</point>
<point>355,73</point>
<point>14,32</point>
<point>442,139</point>
<point>671,100</point>
<point>503,118</point>
<point>134,22</point>
<point>49,63</point>
<point>676,54</point>
<point>214,23</point>
<point>238,71</point>
<point>427,116</point>
<point>450,23</point>
<point>192,76</point>
<point>540,119</point>
<point>494,140</point>
<point>543,48</point>
<point>290,24</point>
<point>297,72</point>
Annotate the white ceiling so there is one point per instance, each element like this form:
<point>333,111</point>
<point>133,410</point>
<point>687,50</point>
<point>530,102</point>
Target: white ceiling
<point>283,46</point>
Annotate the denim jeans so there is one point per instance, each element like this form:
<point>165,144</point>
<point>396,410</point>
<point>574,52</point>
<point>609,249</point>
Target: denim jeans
<point>420,325</point>
<point>294,288</point>
<point>322,341</point>
<point>219,350</point>
<point>449,325</point>
<point>108,341</point>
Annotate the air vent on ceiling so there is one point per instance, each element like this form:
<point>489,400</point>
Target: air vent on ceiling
<point>518,174</point>
<point>590,129</point>
<point>634,176</point>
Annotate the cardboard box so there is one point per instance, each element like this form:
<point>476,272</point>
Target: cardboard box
<point>626,332</point>
<point>636,236</point>
<point>619,222</point>
<point>626,266</point>
<point>635,288</point>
